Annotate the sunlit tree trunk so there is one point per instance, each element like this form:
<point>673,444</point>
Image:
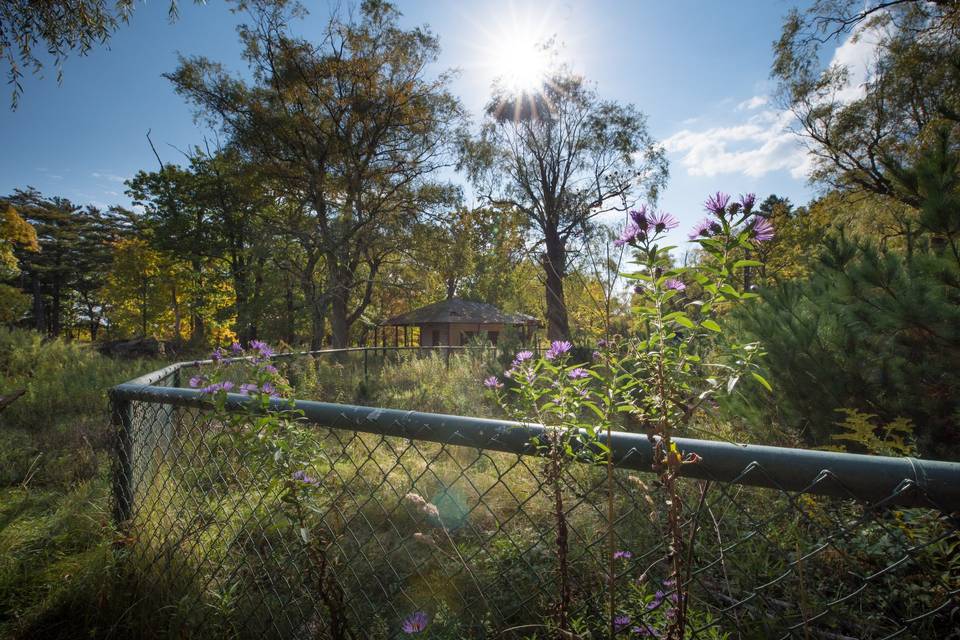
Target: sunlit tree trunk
<point>554,265</point>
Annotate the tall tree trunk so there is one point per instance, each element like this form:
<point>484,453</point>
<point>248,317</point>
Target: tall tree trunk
<point>56,310</point>
<point>177,316</point>
<point>241,289</point>
<point>254,304</point>
<point>39,312</point>
<point>143,307</point>
<point>339,324</point>
<point>451,287</point>
<point>554,266</point>
<point>318,322</point>
<point>198,327</point>
<point>317,304</point>
<point>337,278</point>
<point>290,326</point>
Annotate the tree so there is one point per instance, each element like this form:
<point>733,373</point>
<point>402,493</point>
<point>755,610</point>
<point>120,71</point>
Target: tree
<point>61,27</point>
<point>213,210</point>
<point>469,252</point>
<point>65,276</point>
<point>15,232</point>
<point>912,87</point>
<point>349,130</point>
<point>875,327</point>
<point>562,156</point>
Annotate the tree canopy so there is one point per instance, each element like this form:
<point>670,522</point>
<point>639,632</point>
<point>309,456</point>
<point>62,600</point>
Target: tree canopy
<point>562,156</point>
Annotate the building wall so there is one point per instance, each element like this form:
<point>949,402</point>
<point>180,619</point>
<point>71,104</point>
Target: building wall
<point>458,333</point>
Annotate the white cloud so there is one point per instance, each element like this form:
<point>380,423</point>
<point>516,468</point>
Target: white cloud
<point>858,54</point>
<point>108,176</point>
<point>764,142</point>
<point>760,145</point>
<point>753,103</point>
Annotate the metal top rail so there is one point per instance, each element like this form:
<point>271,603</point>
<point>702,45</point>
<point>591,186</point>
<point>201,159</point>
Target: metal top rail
<point>877,479</point>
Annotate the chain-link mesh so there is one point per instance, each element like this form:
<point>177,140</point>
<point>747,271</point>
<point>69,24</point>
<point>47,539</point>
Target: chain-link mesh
<point>469,535</point>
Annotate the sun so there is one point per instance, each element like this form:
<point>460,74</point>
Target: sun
<point>517,48</point>
<point>519,62</point>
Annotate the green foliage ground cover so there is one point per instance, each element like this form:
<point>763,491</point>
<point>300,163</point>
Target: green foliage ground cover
<point>59,572</point>
<point>66,573</point>
<point>55,530</point>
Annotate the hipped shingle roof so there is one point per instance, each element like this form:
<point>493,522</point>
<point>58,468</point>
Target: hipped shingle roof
<point>457,310</point>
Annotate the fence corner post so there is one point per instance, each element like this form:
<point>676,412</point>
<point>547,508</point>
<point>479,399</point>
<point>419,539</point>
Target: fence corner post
<point>122,422</point>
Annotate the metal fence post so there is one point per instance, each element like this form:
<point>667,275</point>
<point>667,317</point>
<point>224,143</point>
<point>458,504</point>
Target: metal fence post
<point>122,421</point>
<point>365,367</point>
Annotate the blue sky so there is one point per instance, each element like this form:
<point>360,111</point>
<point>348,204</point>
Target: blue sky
<point>700,71</point>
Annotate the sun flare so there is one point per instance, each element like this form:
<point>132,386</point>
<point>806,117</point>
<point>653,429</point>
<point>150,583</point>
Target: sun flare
<point>520,62</point>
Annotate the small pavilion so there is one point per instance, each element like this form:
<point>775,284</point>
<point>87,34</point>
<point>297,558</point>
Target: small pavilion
<point>455,322</point>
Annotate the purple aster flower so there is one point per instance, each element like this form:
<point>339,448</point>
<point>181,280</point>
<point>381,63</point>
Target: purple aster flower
<point>557,349</point>
<point>247,387</point>
<point>521,357</point>
<point>596,355</point>
<point>217,355</point>
<point>301,476</point>
<point>236,349</point>
<point>704,229</point>
<point>645,631</point>
<point>641,218</point>
<point>578,374</point>
<point>717,204</point>
<point>270,369</point>
<point>601,343</point>
<point>218,386</point>
<point>622,555</point>
<point>629,235</point>
<point>657,600</point>
<point>662,221</point>
<point>676,285</point>
<point>262,347</point>
<point>493,383</point>
<point>415,622</point>
<point>196,381</point>
<point>748,201</point>
<point>621,622</point>
<point>762,230</point>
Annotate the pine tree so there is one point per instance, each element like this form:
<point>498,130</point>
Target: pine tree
<point>875,328</point>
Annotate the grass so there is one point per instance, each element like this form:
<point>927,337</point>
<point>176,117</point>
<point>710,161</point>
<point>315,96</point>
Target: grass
<point>211,554</point>
<point>56,559</point>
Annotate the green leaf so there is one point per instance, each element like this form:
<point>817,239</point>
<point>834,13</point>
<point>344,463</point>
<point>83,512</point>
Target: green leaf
<point>711,325</point>
<point>739,264</point>
<point>594,408</point>
<point>730,291</point>
<point>759,378</point>
<point>684,321</point>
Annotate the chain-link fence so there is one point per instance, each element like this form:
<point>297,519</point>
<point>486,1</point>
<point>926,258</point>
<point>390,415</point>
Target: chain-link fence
<point>452,516</point>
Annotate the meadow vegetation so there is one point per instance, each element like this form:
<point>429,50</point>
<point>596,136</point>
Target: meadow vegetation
<point>328,209</point>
